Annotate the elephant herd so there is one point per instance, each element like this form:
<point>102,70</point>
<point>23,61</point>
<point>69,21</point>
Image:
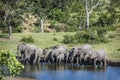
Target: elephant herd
<point>81,55</point>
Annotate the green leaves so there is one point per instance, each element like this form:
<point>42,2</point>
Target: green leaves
<point>86,36</point>
<point>9,65</point>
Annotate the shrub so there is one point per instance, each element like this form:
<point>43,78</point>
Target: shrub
<point>2,78</point>
<point>68,39</point>
<point>9,65</point>
<point>55,39</point>
<point>28,39</point>
<point>101,32</point>
<point>86,36</point>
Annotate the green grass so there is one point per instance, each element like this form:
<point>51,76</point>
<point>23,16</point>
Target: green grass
<point>44,40</point>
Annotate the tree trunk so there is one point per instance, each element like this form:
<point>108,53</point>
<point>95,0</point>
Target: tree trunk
<point>87,20</point>
<point>10,31</point>
<point>41,25</point>
<point>87,14</point>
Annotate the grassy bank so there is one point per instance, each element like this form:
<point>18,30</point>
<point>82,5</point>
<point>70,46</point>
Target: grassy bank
<point>44,40</point>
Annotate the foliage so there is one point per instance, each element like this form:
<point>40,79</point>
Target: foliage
<point>2,78</point>
<point>28,39</point>
<point>86,36</point>
<point>71,13</point>
<point>9,65</point>
<point>55,39</point>
<point>68,39</point>
<point>46,40</point>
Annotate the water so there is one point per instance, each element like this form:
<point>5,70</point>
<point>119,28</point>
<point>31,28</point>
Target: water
<point>56,72</point>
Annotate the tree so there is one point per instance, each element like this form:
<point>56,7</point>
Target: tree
<point>9,65</point>
<point>11,15</point>
<point>9,12</point>
<point>90,5</point>
<point>39,10</point>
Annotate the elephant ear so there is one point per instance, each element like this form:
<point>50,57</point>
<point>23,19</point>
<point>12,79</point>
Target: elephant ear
<point>79,49</point>
<point>94,55</point>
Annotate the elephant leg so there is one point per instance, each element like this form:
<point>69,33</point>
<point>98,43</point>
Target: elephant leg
<point>26,61</point>
<point>105,62</point>
<point>52,59</point>
<point>80,61</point>
<point>95,62</point>
<point>35,59</point>
<point>38,60</point>
<point>72,60</point>
<point>101,63</point>
<point>77,61</point>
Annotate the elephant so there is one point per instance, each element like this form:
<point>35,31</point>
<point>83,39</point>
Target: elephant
<point>29,53</point>
<point>78,53</point>
<point>61,58</point>
<point>98,56</point>
<point>47,55</point>
<point>58,50</point>
<point>21,48</point>
<point>73,52</point>
<point>83,51</point>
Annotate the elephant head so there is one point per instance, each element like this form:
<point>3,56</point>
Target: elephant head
<point>21,48</point>
<point>47,54</point>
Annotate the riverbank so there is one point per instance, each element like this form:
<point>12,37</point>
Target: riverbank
<point>18,78</point>
<point>113,62</point>
<point>44,40</point>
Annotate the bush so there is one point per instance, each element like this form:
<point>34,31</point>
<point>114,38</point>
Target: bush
<point>28,39</point>
<point>9,65</point>
<point>68,39</point>
<point>86,36</point>
<point>101,32</point>
<point>2,78</point>
<point>55,39</point>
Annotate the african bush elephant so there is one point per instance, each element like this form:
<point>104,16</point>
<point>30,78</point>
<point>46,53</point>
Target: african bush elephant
<point>29,53</point>
<point>58,50</point>
<point>82,51</point>
<point>78,53</point>
<point>73,53</point>
<point>21,48</point>
<point>61,58</point>
<point>47,55</point>
<point>98,56</point>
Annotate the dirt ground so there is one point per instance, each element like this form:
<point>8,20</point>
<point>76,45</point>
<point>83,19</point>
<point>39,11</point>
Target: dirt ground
<point>18,78</point>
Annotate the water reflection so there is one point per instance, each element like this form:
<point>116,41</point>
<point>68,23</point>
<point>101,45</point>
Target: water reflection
<point>65,72</point>
<point>35,68</point>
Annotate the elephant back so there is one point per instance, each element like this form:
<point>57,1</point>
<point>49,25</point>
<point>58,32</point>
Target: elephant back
<point>101,54</point>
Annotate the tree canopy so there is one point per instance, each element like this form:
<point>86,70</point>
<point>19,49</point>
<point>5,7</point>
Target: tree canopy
<point>62,15</point>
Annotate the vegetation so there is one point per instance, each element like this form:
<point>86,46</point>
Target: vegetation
<point>78,22</point>
<point>91,36</point>
<point>68,15</point>
<point>44,40</point>
<point>9,65</point>
<point>27,39</point>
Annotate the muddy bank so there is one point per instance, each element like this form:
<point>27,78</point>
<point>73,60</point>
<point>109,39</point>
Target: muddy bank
<point>112,62</point>
<point>18,78</point>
